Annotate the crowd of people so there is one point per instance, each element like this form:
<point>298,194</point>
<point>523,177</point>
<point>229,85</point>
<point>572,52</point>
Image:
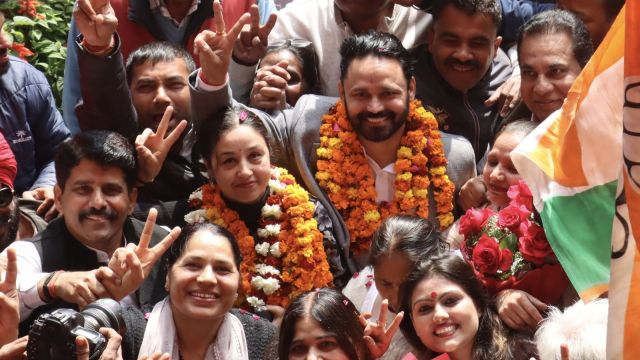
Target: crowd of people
<point>302,179</point>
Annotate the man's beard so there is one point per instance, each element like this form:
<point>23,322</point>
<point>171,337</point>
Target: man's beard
<point>9,225</point>
<point>382,133</point>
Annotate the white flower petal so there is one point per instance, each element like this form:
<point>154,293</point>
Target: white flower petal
<point>196,216</point>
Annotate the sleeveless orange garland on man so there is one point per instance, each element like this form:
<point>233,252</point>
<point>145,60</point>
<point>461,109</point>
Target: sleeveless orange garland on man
<point>345,175</point>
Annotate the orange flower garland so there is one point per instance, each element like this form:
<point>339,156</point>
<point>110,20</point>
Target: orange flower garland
<point>287,258</point>
<point>344,173</point>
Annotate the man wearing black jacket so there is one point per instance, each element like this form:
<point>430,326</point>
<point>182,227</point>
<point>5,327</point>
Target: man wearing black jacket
<point>96,173</point>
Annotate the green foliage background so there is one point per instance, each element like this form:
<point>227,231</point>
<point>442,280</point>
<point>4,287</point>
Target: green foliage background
<point>42,28</point>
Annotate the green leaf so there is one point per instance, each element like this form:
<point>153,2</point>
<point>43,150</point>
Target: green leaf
<point>510,241</point>
<point>23,21</point>
<point>18,36</point>
<point>36,34</point>
<point>56,56</point>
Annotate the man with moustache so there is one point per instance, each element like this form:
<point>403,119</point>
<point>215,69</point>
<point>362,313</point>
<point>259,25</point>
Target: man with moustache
<point>460,68</point>
<point>376,86</point>
<point>553,47</point>
<point>95,193</point>
<point>31,124</point>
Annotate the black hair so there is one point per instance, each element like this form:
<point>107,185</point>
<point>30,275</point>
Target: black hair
<point>105,148</point>
<point>155,52</point>
<point>412,236</point>
<point>612,8</point>
<point>178,246</point>
<point>308,63</point>
<point>334,312</point>
<point>556,21</point>
<point>491,341</point>
<point>490,8</point>
<point>377,44</point>
<point>223,120</point>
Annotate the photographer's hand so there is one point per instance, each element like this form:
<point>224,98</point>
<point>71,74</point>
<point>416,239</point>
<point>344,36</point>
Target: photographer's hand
<point>113,351</point>
<point>15,350</point>
<point>9,306</point>
<point>129,266</point>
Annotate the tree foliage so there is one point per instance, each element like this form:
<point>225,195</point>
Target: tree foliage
<point>39,31</point>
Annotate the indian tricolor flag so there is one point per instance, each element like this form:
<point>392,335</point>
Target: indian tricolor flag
<point>583,166</point>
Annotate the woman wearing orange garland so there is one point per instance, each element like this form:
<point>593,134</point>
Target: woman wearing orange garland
<point>281,231</point>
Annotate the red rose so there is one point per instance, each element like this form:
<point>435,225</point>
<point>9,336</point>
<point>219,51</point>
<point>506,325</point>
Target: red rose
<point>473,221</point>
<point>533,243</point>
<point>511,217</point>
<point>521,195</point>
<point>488,258</point>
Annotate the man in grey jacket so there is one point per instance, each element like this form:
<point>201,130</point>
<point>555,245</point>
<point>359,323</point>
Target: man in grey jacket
<point>376,87</point>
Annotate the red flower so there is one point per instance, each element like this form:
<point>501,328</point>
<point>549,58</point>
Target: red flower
<point>474,220</point>
<point>511,217</point>
<point>521,195</point>
<point>22,51</point>
<point>489,258</point>
<point>533,243</point>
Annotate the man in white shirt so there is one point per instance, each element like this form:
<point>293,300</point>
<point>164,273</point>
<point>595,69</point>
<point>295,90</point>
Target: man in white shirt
<point>326,23</point>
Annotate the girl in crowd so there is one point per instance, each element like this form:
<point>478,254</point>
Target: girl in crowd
<point>323,324</point>
<point>195,321</point>
<point>301,67</point>
<point>286,238</point>
<point>399,244</point>
<point>450,312</point>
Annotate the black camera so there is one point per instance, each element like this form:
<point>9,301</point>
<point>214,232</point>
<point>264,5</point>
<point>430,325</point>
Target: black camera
<point>53,336</point>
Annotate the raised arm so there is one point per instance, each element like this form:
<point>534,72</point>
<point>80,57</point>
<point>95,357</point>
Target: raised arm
<point>107,103</point>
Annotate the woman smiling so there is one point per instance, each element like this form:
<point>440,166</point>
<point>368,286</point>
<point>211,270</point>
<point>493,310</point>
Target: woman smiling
<point>450,312</point>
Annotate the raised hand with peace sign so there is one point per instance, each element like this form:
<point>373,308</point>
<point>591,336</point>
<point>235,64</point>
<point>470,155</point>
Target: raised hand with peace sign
<point>251,46</point>
<point>214,46</point>
<point>378,335</point>
<point>130,265</point>
<point>153,147</point>
<point>96,21</point>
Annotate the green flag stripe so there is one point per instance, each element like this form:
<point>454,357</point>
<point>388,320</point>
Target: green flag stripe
<point>579,230</point>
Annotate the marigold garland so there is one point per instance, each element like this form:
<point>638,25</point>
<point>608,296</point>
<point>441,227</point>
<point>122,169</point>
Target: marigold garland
<point>288,258</point>
<point>344,173</point>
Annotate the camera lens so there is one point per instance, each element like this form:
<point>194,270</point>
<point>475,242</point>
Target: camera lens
<point>104,313</point>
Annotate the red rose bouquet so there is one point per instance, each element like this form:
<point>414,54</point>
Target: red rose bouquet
<point>509,249</point>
